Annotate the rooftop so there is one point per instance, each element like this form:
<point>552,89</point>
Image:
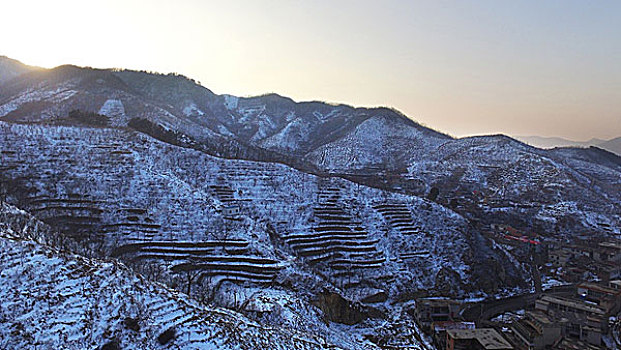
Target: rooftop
<point>540,317</point>
<point>613,245</point>
<point>599,288</point>
<point>446,325</point>
<point>575,344</point>
<point>489,338</point>
<point>437,301</point>
<point>575,304</point>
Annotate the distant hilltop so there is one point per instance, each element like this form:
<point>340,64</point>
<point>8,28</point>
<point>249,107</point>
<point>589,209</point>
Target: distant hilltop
<point>612,145</point>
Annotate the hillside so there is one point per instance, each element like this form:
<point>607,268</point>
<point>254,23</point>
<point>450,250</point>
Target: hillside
<point>323,221</point>
<point>552,142</point>
<point>613,145</point>
<point>160,208</point>
<point>10,68</point>
<point>360,144</point>
<point>53,299</point>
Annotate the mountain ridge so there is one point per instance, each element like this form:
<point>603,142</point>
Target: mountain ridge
<point>361,144</point>
<point>611,145</point>
<point>11,68</point>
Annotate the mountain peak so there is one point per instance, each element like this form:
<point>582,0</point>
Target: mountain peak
<point>11,68</point>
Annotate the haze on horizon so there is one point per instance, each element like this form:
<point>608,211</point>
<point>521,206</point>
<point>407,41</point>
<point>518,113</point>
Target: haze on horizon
<point>470,67</point>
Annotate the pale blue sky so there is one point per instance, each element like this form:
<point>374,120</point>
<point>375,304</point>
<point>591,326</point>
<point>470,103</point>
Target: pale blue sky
<point>551,68</point>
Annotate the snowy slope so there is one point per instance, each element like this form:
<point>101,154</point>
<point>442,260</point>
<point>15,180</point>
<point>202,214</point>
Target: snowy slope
<point>159,208</point>
<point>199,191</point>
<point>52,299</point>
<point>380,142</point>
<point>522,181</point>
<point>135,189</point>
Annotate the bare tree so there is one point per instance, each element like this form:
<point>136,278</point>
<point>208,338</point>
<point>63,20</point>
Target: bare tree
<point>190,277</point>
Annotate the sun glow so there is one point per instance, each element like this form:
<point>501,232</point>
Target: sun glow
<point>470,68</point>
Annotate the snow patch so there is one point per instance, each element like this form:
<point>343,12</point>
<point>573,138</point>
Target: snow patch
<point>112,108</point>
<point>230,102</point>
<point>192,110</point>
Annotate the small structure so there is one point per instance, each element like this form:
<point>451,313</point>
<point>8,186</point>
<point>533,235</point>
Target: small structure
<point>429,310</point>
<point>559,257</point>
<point>574,344</point>
<point>476,339</point>
<point>231,211</point>
<point>606,270</point>
<point>615,284</point>
<point>440,328</point>
<point>608,251</point>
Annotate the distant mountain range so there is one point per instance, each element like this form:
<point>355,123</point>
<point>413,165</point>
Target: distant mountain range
<point>612,145</point>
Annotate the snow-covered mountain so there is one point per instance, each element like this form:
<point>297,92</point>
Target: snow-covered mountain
<point>378,147</point>
<point>612,145</point>
<point>307,217</point>
<point>359,143</point>
<point>301,246</point>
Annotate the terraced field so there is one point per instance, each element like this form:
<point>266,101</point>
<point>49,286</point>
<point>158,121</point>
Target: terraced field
<point>215,261</point>
<point>399,217</point>
<point>53,299</point>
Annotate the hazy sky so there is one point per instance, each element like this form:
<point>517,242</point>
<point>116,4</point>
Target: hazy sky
<point>551,68</point>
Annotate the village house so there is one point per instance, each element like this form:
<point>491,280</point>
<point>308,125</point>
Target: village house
<point>559,257</point>
<point>581,319</point>
<point>574,344</point>
<point>608,251</point>
<point>536,331</point>
<point>429,310</point>
<point>606,297</point>
<point>615,284</point>
<point>439,330</point>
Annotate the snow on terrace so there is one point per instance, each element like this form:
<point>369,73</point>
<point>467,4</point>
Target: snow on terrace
<point>164,193</point>
<point>231,102</point>
<point>61,93</point>
<point>114,109</point>
<point>192,110</point>
<point>57,300</point>
<point>169,189</point>
<point>170,193</point>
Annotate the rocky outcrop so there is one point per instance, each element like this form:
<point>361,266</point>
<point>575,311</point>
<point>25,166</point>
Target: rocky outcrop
<point>340,310</point>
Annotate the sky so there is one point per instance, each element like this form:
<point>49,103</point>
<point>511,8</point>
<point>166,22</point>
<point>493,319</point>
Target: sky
<point>548,68</point>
